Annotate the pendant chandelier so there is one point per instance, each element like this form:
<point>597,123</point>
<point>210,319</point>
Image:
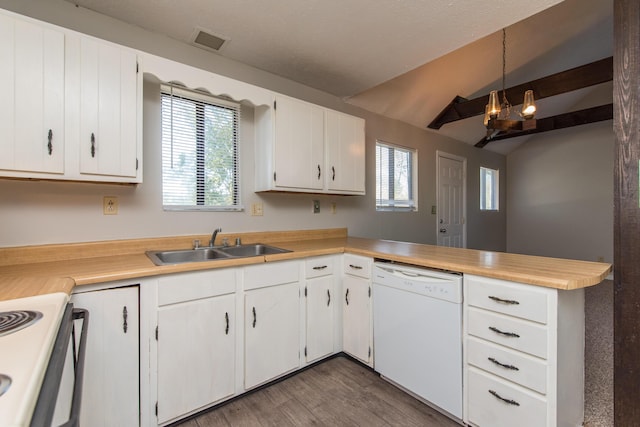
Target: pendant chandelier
<point>497,115</point>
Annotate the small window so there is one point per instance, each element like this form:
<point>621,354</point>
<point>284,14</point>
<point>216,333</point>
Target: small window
<point>200,135</point>
<point>489,184</point>
<point>396,187</point>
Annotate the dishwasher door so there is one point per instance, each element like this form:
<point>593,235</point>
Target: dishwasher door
<point>417,337</point>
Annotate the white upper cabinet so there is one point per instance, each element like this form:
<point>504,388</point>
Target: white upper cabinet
<point>302,147</point>
<point>32,103</point>
<point>72,105</point>
<point>299,148</point>
<point>344,136</point>
<point>108,109</point>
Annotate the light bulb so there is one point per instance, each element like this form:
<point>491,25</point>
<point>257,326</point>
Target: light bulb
<point>528,106</point>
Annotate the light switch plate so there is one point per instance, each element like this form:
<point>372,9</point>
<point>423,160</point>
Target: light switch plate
<point>316,206</point>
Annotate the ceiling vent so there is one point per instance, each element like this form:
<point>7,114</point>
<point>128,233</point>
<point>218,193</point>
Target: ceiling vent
<point>208,41</point>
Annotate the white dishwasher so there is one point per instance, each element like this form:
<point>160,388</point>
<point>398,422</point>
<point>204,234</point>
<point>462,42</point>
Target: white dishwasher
<point>417,332</point>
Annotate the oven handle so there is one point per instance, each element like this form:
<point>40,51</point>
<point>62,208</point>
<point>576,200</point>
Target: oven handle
<point>45,406</point>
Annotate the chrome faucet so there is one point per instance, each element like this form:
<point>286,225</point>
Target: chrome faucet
<point>213,236</point>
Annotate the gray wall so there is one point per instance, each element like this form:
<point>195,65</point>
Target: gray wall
<point>560,194</point>
<point>38,212</point>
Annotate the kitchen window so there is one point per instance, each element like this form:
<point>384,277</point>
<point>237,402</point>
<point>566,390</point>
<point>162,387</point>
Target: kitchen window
<point>200,161</point>
<point>396,178</point>
<point>489,185</point>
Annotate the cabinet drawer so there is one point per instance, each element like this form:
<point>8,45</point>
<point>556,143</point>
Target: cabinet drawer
<point>192,286</point>
<point>270,274</point>
<point>319,266</point>
<point>514,299</point>
<point>496,403</point>
<point>511,365</point>
<point>518,334</point>
<point>357,265</point>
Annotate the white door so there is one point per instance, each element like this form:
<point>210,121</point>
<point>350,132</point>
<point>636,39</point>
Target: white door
<point>356,338</point>
<point>272,332</point>
<point>111,378</point>
<point>451,209</point>
<point>320,300</point>
<point>196,355</point>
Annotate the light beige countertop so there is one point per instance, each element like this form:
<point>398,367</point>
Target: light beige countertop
<point>35,270</point>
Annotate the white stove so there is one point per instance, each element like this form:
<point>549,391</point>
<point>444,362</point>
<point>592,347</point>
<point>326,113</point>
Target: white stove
<point>25,352</point>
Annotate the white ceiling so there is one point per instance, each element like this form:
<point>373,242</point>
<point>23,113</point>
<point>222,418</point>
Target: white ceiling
<point>404,59</point>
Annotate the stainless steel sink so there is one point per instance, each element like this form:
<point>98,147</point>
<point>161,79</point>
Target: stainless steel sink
<point>211,254</point>
<point>186,255</point>
<point>256,249</point>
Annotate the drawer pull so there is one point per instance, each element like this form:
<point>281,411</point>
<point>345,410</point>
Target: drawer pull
<point>513,368</point>
<point>506,334</point>
<point>320,267</point>
<point>509,401</point>
<point>503,301</point>
<point>355,267</point>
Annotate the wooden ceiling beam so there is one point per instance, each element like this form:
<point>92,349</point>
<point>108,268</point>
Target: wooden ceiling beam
<point>561,121</point>
<point>555,84</point>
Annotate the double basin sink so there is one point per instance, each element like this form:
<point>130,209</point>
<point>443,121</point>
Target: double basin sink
<point>212,253</point>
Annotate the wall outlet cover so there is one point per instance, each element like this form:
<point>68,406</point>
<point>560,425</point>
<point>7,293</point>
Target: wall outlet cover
<point>316,206</point>
<point>110,205</point>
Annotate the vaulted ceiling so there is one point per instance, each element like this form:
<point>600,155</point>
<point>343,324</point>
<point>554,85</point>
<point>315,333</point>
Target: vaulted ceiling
<point>402,59</point>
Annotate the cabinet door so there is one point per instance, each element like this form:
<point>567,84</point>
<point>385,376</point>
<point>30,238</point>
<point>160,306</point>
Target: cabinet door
<point>272,332</point>
<point>356,338</point>
<point>110,394</point>
<point>108,109</point>
<point>345,145</point>
<point>32,102</point>
<point>196,355</point>
<point>320,299</point>
<point>299,139</point>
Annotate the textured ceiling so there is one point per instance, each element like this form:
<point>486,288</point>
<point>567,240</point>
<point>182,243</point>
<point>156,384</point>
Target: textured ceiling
<point>339,46</point>
<point>404,59</point>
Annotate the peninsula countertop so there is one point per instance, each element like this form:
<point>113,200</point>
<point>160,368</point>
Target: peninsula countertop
<point>36,270</point>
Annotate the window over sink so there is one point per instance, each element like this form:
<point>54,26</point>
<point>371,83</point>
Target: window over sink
<point>200,159</point>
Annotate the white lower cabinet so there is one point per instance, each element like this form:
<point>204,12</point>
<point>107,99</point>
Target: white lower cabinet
<point>110,393</point>
<point>319,302</point>
<point>196,332</point>
<point>524,354</point>
<point>357,311</point>
<point>271,321</point>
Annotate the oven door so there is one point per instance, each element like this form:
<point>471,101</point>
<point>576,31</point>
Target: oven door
<point>59,400</point>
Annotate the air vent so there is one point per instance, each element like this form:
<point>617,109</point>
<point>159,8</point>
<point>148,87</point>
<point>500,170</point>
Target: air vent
<point>207,40</point>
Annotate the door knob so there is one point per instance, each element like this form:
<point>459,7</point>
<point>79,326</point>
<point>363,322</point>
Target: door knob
<point>443,230</point>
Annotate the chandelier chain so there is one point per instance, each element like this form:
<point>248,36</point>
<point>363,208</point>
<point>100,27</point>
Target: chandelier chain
<point>505,101</point>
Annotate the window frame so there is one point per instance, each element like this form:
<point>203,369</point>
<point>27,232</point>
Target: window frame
<point>495,189</point>
<point>200,99</point>
<point>391,204</point>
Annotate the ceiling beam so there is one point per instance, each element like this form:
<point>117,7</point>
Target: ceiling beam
<point>561,121</point>
<point>555,84</point>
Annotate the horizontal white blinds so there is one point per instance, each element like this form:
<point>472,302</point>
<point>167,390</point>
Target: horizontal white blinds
<point>200,135</point>
<point>394,178</point>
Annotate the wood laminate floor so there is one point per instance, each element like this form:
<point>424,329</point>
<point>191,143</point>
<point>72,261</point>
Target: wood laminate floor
<point>338,392</point>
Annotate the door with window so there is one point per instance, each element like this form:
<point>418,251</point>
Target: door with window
<point>451,190</point>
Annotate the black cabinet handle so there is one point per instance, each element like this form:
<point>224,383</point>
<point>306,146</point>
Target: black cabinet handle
<point>503,301</point>
<point>333,171</point>
<point>320,267</point>
<point>328,297</point>
<point>50,143</point>
<point>513,368</point>
<point>93,145</point>
<point>319,172</point>
<point>254,317</point>
<point>226,319</point>
<point>509,401</point>
<point>346,296</point>
<point>506,334</point>
<point>125,326</point>
<point>355,267</point>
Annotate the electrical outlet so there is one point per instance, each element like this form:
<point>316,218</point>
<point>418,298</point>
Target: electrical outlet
<point>333,208</point>
<point>256,209</point>
<point>316,206</point>
<point>110,205</point>
<point>600,258</point>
